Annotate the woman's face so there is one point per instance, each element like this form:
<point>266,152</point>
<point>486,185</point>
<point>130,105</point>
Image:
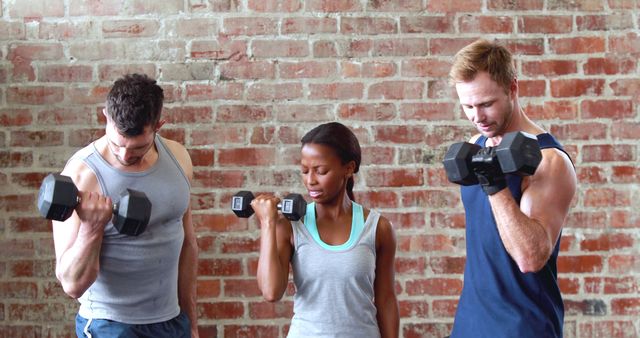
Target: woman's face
<point>323,174</point>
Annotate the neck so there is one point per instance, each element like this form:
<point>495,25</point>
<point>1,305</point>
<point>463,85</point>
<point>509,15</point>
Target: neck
<point>335,209</point>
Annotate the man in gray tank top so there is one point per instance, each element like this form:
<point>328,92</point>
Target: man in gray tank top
<point>130,286</point>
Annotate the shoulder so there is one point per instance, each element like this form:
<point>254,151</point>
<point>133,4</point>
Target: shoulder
<point>83,177</point>
<point>385,234</point>
<point>181,154</point>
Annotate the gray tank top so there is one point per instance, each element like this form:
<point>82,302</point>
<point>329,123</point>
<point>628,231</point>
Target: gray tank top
<point>138,278</point>
<point>334,284</point>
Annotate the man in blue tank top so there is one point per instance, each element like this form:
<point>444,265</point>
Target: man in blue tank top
<point>130,286</point>
<point>513,223</point>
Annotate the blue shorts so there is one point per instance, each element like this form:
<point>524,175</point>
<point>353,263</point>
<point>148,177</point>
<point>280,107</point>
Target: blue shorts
<point>178,327</point>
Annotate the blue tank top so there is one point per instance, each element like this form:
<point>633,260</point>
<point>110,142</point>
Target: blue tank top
<point>497,299</point>
<point>138,278</point>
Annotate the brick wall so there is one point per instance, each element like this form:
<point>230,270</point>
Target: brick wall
<point>245,79</point>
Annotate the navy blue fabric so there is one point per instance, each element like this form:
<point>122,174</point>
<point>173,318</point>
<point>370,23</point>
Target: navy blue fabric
<point>497,299</point>
<point>178,327</point>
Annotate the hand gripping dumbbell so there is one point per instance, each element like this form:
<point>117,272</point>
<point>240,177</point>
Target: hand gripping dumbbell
<point>518,153</point>
<point>293,206</point>
<point>58,198</point>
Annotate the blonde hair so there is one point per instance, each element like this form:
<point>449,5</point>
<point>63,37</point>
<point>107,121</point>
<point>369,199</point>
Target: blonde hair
<point>483,56</point>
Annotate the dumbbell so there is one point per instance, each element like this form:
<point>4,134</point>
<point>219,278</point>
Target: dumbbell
<point>58,198</point>
<point>518,153</point>
<point>293,206</point>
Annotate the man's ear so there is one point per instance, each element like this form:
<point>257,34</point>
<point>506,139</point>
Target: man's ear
<point>159,125</point>
<point>514,88</point>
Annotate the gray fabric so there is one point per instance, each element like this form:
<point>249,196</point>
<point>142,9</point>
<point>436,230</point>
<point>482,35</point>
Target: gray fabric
<point>334,289</point>
<point>138,278</point>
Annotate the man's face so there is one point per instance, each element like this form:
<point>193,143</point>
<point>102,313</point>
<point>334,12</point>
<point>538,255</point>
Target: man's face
<point>486,104</point>
<point>129,150</point>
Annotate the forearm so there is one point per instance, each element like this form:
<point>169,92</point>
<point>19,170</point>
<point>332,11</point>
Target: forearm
<point>187,282</point>
<point>388,317</point>
<point>272,276</point>
<point>78,266</point>
<point>524,238</point>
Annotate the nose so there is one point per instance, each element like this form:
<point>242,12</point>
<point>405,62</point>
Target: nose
<point>310,178</point>
<point>126,154</point>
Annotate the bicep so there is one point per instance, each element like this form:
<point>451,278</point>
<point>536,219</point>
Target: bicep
<point>549,194</point>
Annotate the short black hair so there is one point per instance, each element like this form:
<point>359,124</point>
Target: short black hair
<point>134,102</point>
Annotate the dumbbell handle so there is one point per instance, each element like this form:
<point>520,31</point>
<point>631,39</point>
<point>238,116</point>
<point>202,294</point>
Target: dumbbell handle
<point>114,206</point>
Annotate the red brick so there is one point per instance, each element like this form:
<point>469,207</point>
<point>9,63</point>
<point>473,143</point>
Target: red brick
<point>220,310</point>
<point>580,131</point>
<point>401,47</point>
<point>246,157</point>
<point>17,202</point>
<point>610,65</point>
<point>250,331</point>
<point>509,5</point>
<point>550,110</point>
<point>264,310</point>
<point>19,290</point>
<point>247,70</point>
<point>36,9</point>
<point>434,287</point>
<point>188,114</point>
<point>454,6</point>
<point>336,91</point>
<point>16,159</point>
<point>607,242</point>
<point>98,51</point>
<point>608,328</point>
<point>549,67</point>
<point>214,6</point>
<point>13,117</point>
<point>435,111</point>
<point>569,285</point>
<point>613,109</point>
<point>308,25</point>
<point>367,25</point>
<point>324,49</point>
<point>607,153</point>
<point>425,67</point>
<point>610,21</point>
<point>55,73</point>
<point>277,91</point>
<point>243,113</point>
<point>532,46</point>
<point>408,266</point>
<point>358,48</point>
<point>208,288</point>
<point>205,200</point>
<point>36,138</point>
<point>625,306</point>
<point>220,91</point>
<point>367,112</point>
<point>448,46</point>
<point>396,90</point>
<point>395,5</point>
<point>394,177</point>
<point>12,30</point>
<point>202,157</point>
<point>623,4</point>
<point>303,112</point>
<point>240,245</point>
<point>130,28</point>
<point>241,288</point>
<point>95,7</point>
<point>444,308</point>
<point>413,308</point>
<point>37,95</point>
<point>419,330</point>
<point>584,5</point>
<point>625,174</point>
<point>399,134</point>
<point>234,50</point>
<point>373,69</point>
<point>38,312</point>
<point>620,285</point>
<point>274,178</point>
<point>333,5</point>
<point>62,116</point>
<point>307,69</point>
<point>29,225</point>
<point>580,264</point>
<point>577,45</point>
<point>427,24</point>
<point>606,197</point>
<point>591,174</point>
<point>82,137</point>
<point>447,265</point>
<point>35,51</point>
<point>629,43</point>
<point>219,267</point>
<point>623,264</point>
<point>626,87</point>
<point>447,221</point>
<point>407,220</point>
<point>531,88</point>
<point>65,30</point>
<point>546,24</point>
<point>274,5</point>
<point>625,219</point>
<point>112,72</point>
<point>485,24</point>
<point>426,243</point>
<point>593,285</point>
<point>142,7</point>
<point>250,26</point>
<point>576,87</point>
<point>217,178</point>
<point>196,27</point>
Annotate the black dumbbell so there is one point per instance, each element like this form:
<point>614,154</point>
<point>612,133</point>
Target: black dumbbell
<point>58,198</point>
<point>518,153</point>
<point>293,206</point>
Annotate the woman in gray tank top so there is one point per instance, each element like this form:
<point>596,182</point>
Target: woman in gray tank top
<point>342,254</point>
